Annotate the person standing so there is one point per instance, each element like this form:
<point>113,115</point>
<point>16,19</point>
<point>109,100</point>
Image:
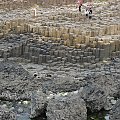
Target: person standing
<point>80,2</point>
<point>89,9</point>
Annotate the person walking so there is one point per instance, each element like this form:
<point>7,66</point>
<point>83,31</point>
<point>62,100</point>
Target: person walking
<point>89,9</point>
<point>79,2</point>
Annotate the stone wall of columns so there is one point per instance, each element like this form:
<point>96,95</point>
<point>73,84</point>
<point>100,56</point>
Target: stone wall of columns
<point>81,46</point>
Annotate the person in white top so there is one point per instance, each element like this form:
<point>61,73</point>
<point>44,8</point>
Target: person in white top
<point>89,11</point>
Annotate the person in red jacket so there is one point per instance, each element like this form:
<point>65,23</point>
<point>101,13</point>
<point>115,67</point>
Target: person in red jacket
<point>80,2</point>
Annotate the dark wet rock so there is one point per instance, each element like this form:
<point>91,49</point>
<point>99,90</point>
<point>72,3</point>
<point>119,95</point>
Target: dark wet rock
<point>6,114</point>
<point>66,107</point>
<point>115,112</point>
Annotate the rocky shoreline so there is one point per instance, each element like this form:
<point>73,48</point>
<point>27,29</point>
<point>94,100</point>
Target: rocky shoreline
<point>33,97</point>
<point>60,66</point>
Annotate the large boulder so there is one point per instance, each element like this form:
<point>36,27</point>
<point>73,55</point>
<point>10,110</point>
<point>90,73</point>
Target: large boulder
<point>94,97</point>
<point>99,92</point>
<point>108,83</point>
<point>66,107</point>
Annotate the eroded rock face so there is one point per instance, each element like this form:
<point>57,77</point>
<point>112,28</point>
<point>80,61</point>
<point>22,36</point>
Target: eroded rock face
<point>70,107</point>
<point>115,113</point>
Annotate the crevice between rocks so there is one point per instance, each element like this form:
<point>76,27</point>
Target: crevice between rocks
<point>42,115</point>
<point>96,115</point>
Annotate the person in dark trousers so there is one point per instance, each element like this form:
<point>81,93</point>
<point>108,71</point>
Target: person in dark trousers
<point>80,2</point>
<point>90,8</point>
<point>90,13</point>
<point>80,8</point>
<point>87,12</point>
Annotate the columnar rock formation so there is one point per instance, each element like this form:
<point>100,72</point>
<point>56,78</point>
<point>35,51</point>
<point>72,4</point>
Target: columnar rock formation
<point>69,64</point>
<point>95,40</point>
